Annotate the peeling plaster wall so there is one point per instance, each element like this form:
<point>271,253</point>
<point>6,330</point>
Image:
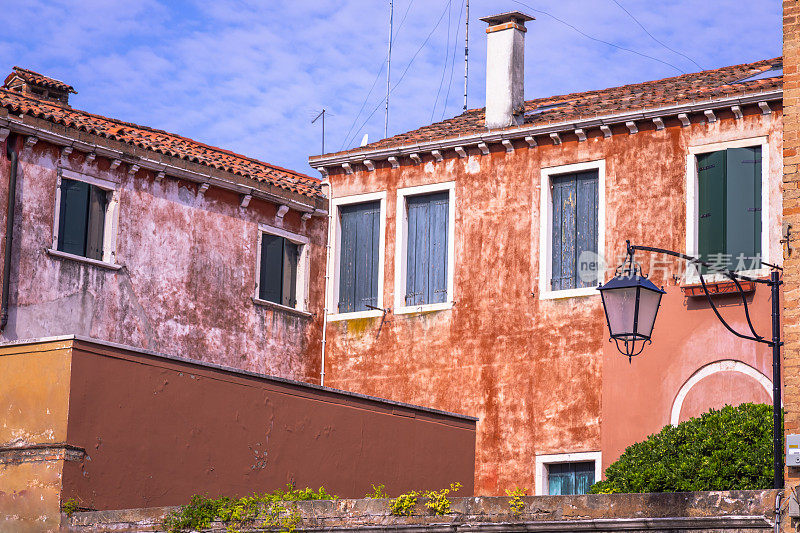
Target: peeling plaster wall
<point>541,374</point>
<point>188,275</point>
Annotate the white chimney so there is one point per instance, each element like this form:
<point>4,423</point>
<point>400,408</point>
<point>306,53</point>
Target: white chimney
<point>505,70</point>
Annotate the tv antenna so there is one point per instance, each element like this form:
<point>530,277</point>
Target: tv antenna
<point>321,114</point>
<point>466,57</point>
<point>388,69</point>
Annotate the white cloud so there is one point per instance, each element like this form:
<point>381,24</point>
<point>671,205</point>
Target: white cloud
<point>249,75</point>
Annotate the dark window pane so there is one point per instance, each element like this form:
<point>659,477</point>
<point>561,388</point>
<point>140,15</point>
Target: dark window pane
<point>570,478</point>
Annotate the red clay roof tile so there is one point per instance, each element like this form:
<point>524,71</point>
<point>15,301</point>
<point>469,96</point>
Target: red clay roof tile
<point>699,86</point>
<point>162,142</point>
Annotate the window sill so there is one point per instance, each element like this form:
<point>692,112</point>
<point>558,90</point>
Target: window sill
<point>280,307</point>
<point>338,317</point>
<point>79,258</point>
<point>569,293</point>
<point>426,308</point>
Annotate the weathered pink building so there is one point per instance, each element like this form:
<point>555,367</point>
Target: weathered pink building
<point>458,277</point>
<point>144,238</point>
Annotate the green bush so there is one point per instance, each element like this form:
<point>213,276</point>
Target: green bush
<point>729,449</point>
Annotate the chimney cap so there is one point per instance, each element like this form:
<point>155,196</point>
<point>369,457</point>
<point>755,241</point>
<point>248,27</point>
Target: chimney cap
<point>511,16</point>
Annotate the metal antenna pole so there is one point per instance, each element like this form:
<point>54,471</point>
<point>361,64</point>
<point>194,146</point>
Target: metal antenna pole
<point>388,69</point>
<point>321,114</point>
<point>466,58</point>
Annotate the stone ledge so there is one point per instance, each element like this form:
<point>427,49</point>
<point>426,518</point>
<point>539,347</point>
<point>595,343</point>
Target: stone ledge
<point>733,511</point>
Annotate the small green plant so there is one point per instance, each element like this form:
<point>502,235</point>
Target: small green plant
<point>437,499</point>
<point>378,492</point>
<point>403,504</point>
<point>70,506</point>
<point>243,512</point>
<point>515,503</point>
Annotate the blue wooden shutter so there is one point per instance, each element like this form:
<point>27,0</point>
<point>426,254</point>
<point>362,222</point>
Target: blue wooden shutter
<point>586,230</point>
<point>575,198</point>
<point>570,478</point>
<point>73,216</point>
<point>358,259</point>
<point>269,286</point>
<point>711,227</point>
<point>426,262</point>
<point>743,204</point>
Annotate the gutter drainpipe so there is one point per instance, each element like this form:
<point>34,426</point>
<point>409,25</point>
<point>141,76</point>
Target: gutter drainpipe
<point>327,283</point>
<point>13,156</point>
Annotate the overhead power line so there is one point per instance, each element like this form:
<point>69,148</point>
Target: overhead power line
<point>405,71</point>
<point>453,63</point>
<point>567,24</point>
<point>653,37</point>
<point>446,58</point>
<point>375,81</point>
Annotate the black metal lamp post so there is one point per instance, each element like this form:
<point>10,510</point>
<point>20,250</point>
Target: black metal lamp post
<point>631,303</point>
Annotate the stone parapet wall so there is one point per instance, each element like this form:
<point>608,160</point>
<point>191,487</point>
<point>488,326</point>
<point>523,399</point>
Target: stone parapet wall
<point>734,511</point>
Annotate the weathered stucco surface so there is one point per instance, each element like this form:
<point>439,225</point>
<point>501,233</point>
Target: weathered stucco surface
<point>540,374</point>
<point>698,512</point>
<point>188,271</point>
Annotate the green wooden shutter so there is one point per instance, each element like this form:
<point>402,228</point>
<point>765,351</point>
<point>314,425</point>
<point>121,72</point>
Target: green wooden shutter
<point>98,200</point>
<point>570,478</point>
<point>711,204</point>
<point>73,216</point>
<point>271,275</point>
<point>743,199</point>
<point>426,249</point>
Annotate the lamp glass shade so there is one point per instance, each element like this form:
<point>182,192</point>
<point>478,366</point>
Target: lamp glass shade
<point>631,303</point>
<point>649,301</point>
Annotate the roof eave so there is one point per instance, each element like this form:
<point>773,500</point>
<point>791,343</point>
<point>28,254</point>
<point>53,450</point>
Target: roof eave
<point>545,129</point>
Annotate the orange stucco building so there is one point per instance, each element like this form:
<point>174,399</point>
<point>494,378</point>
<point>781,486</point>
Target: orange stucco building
<point>456,278</point>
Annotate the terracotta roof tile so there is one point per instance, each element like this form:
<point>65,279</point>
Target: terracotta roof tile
<point>161,142</point>
<point>687,88</point>
<point>34,78</point>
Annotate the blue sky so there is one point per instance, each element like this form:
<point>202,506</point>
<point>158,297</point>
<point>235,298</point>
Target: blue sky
<point>250,75</point>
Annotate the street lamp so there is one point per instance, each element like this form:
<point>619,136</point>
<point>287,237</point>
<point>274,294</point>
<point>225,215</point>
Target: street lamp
<point>631,303</point>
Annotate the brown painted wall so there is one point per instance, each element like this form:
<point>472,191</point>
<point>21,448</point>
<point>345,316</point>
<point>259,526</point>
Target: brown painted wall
<point>158,430</point>
<point>188,276</point>
<point>540,374</point>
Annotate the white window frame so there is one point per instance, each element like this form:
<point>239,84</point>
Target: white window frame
<point>693,198</point>
<point>401,246</point>
<point>110,224</point>
<point>542,484</point>
<point>302,283</point>
<point>335,236</point>
<point>546,227</point>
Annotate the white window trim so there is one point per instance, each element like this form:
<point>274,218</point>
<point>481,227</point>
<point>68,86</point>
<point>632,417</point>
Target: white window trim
<point>336,237</point>
<point>110,224</point>
<point>301,287</point>
<point>692,203</point>
<point>542,485</point>
<point>401,246</point>
<point>546,227</point>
